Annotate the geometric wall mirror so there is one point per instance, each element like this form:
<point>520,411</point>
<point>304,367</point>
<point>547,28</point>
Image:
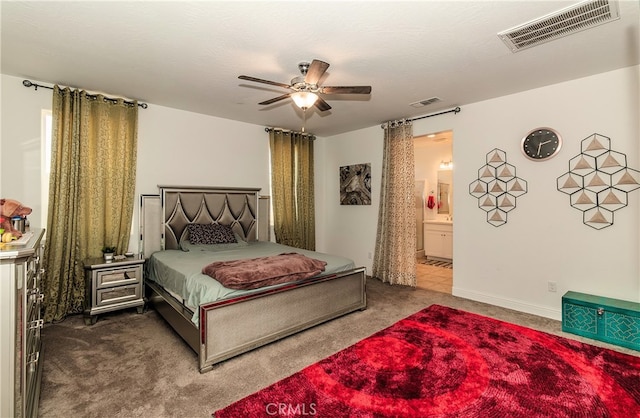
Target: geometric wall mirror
<point>598,181</point>
<point>497,187</point>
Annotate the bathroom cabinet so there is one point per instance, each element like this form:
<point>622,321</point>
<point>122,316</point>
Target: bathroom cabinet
<point>438,239</point>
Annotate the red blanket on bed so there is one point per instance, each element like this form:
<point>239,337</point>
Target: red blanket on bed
<point>258,272</point>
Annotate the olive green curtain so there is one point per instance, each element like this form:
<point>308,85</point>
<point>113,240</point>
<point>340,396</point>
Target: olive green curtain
<point>292,189</point>
<point>394,259</point>
<point>91,191</point>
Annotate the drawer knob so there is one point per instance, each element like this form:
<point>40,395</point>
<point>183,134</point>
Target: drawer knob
<point>32,361</point>
<point>39,323</point>
<point>36,296</point>
<point>600,311</point>
<point>33,357</point>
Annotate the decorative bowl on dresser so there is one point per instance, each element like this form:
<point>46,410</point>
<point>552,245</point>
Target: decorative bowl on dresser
<point>20,325</point>
<point>112,285</point>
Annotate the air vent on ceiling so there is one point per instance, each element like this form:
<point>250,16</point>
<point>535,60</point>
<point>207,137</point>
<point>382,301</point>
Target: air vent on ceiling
<point>578,17</point>
<point>426,102</point>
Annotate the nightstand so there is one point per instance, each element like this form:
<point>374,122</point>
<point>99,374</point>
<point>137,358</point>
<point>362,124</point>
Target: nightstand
<point>112,285</point>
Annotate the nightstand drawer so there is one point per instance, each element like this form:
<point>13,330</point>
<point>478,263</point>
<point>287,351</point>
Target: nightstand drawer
<point>113,295</point>
<point>117,277</point>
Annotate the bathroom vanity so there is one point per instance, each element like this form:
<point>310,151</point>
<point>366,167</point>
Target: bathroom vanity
<point>438,239</point>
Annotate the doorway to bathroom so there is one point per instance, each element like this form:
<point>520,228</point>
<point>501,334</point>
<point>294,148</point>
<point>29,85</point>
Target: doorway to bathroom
<point>434,210</point>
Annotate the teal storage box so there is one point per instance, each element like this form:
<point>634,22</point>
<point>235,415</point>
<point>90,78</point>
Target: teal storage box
<point>610,320</point>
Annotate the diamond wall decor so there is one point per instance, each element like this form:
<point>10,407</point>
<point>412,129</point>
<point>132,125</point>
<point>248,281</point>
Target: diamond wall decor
<point>497,187</point>
<point>598,181</point>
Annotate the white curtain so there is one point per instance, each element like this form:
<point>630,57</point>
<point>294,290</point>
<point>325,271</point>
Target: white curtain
<point>394,261</point>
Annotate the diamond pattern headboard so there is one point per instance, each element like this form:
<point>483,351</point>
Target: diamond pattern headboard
<point>164,217</point>
<point>236,207</point>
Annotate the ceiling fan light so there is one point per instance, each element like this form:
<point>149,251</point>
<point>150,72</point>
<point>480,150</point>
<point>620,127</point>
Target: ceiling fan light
<point>304,99</point>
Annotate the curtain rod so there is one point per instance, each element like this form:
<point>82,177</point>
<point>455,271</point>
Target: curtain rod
<point>28,83</point>
<point>455,110</point>
<point>269,129</point>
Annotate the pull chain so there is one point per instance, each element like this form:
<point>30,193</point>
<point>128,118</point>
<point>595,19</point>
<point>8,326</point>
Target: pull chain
<point>304,118</point>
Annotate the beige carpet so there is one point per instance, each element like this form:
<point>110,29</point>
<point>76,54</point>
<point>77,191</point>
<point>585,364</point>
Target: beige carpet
<point>130,365</point>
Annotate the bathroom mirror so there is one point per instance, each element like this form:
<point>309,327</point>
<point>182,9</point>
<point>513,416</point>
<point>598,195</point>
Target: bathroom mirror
<point>445,191</point>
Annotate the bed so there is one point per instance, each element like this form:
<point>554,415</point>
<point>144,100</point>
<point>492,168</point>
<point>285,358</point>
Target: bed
<point>219,323</point>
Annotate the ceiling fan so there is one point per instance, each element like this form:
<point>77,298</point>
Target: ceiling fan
<point>305,88</point>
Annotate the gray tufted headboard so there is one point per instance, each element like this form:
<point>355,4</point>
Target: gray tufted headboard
<point>177,206</point>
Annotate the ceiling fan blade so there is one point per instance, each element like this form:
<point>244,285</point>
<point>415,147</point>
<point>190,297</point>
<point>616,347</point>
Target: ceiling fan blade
<point>316,71</point>
<point>275,99</point>
<point>259,80</point>
<point>321,104</point>
<point>345,89</point>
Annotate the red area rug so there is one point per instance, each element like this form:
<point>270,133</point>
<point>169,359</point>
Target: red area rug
<point>442,362</point>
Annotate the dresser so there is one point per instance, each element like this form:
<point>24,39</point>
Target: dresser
<point>113,285</point>
<point>20,325</point>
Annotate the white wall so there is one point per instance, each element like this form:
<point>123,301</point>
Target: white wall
<point>20,146</point>
<point>348,230</point>
<point>544,238</point>
<point>184,148</point>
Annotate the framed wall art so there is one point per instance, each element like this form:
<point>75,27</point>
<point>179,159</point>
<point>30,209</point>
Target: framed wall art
<point>497,187</point>
<point>355,184</point>
<point>598,181</point>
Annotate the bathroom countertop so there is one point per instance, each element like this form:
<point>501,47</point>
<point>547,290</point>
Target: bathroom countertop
<point>438,222</point>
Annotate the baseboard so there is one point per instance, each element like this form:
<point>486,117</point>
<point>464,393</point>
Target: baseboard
<point>509,303</point>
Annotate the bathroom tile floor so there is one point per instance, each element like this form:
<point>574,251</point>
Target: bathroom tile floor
<point>439,279</point>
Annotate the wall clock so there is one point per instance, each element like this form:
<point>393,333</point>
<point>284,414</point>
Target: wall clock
<point>541,144</point>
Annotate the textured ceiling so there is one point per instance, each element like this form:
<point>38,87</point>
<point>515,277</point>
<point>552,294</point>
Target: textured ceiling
<point>188,55</point>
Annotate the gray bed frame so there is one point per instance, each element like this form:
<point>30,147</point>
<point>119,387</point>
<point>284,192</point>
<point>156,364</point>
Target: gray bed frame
<point>234,326</point>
